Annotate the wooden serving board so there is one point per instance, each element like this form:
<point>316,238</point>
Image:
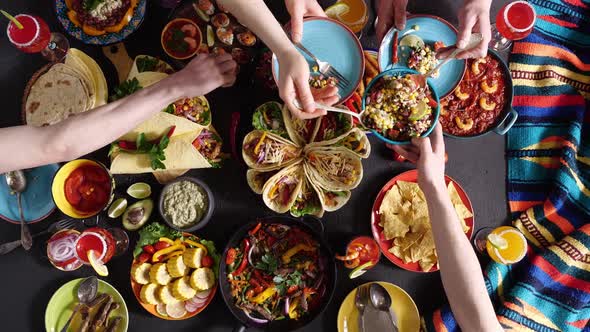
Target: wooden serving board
<point>117,54</point>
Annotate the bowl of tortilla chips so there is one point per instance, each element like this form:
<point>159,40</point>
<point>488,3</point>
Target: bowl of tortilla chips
<point>401,225</point>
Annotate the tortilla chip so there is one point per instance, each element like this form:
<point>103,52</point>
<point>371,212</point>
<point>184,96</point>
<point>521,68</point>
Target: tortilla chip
<point>408,189</point>
<point>454,194</point>
<point>409,240</point>
<point>396,250</point>
<point>392,201</point>
<point>420,225</point>
<point>393,226</point>
<point>426,264</point>
<point>427,243</point>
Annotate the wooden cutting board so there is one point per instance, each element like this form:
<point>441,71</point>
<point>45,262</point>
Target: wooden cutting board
<point>117,54</point>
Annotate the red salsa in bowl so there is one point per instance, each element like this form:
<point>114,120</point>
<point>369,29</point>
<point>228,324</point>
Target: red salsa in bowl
<point>181,38</point>
<point>88,188</point>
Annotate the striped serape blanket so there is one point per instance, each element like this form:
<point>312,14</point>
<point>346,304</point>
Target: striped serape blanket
<point>548,154</point>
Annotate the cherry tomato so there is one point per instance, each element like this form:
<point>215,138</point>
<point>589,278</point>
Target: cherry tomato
<point>207,261</point>
<point>144,257</point>
<point>161,245</point>
<point>250,293</point>
<point>231,256</point>
<point>149,249</point>
<point>292,289</point>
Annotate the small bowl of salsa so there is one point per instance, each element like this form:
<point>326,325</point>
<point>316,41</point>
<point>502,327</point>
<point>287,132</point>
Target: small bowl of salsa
<point>362,254</point>
<point>181,38</point>
<point>82,188</point>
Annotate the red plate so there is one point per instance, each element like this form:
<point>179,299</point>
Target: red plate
<point>384,244</point>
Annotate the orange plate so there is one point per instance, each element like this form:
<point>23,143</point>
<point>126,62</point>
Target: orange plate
<point>152,308</point>
<point>384,244</point>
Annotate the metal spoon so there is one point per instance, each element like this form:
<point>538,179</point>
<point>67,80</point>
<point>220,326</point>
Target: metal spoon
<point>18,183</point>
<point>86,293</point>
<point>381,300</point>
<point>331,109</point>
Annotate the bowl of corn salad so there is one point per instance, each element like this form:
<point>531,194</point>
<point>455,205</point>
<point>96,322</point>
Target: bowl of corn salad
<point>396,109</point>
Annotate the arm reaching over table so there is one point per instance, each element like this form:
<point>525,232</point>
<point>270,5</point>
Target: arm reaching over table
<point>27,146</point>
<point>459,268</point>
<point>294,70</point>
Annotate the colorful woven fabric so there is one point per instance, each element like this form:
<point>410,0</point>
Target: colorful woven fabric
<point>548,154</point>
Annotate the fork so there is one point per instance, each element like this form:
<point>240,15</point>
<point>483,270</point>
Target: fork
<point>325,68</point>
<point>361,300</point>
<point>56,226</point>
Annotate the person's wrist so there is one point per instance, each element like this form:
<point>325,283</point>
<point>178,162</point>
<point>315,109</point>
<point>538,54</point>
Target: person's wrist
<point>433,186</point>
<point>285,52</point>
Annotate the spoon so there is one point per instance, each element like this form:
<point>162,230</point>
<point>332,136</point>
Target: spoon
<point>86,293</point>
<point>331,109</point>
<point>18,183</point>
<point>381,300</point>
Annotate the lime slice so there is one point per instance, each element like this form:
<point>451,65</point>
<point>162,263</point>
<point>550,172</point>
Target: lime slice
<point>336,10</point>
<point>139,190</point>
<point>96,264</point>
<point>359,270</point>
<point>412,41</point>
<point>210,36</point>
<point>497,241</point>
<point>201,13</point>
<point>419,112</point>
<point>117,208</point>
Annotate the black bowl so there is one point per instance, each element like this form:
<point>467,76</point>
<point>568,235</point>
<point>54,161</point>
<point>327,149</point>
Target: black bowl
<point>210,207</point>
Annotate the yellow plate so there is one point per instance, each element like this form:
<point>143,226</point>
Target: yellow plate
<point>408,318</point>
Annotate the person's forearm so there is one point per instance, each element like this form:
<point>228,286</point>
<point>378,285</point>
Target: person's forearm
<point>26,147</point>
<point>255,15</point>
<point>460,271</point>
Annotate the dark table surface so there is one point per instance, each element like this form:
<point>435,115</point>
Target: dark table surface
<point>27,280</point>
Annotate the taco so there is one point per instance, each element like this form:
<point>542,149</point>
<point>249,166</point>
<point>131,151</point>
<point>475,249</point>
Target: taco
<point>257,179</point>
<point>281,190</point>
<point>300,131</point>
<point>146,63</point>
<point>208,143</point>
<point>268,117</point>
<point>332,125</point>
<point>195,109</point>
<point>332,200</point>
<point>334,169</point>
<point>355,140</point>
<point>307,201</point>
<point>266,151</point>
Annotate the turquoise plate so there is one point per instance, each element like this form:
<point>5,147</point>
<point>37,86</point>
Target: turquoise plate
<point>333,42</point>
<point>432,29</point>
<point>36,200</point>
<point>61,10</point>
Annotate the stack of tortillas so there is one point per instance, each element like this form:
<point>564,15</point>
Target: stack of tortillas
<point>66,89</point>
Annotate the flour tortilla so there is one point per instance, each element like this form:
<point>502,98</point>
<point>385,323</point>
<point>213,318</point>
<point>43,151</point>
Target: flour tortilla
<point>180,155</point>
<point>134,70</point>
<point>76,64</point>
<point>331,200</point>
<point>324,167</point>
<point>159,124</point>
<point>291,173</point>
<point>256,179</point>
<point>310,201</point>
<point>99,80</point>
<point>148,78</point>
<point>349,140</point>
<point>288,151</point>
<point>297,129</point>
<point>56,95</point>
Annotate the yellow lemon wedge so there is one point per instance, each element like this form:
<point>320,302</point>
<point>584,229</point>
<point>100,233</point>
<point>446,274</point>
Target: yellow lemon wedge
<point>96,264</point>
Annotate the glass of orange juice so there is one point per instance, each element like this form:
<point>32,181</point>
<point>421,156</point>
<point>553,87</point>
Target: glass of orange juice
<point>505,244</point>
<point>352,13</point>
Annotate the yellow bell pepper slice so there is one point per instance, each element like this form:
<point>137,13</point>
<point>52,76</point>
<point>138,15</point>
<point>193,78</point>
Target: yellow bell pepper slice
<point>165,251</point>
<point>293,251</point>
<point>292,306</point>
<point>257,147</point>
<point>195,244</point>
<point>265,295</point>
<point>167,240</point>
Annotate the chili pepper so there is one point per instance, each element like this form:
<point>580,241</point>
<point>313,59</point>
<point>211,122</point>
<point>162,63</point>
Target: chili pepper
<point>235,121</point>
<point>244,262</point>
<point>394,48</point>
<point>127,145</point>
<point>171,131</point>
<point>255,229</point>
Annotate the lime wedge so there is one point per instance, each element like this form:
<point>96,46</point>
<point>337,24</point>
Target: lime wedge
<point>419,112</point>
<point>117,208</point>
<point>497,241</point>
<point>98,266</point>
<point>210,36</point>
<point>336,10</point>
<point>201,13</point>
<point>359,270</point>
<point>412,41</point>
<point>139,190</point>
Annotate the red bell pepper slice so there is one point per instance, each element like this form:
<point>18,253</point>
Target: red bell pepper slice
<point>244,263</point>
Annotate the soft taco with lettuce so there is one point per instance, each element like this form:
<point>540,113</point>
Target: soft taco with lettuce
<point>280,191</point>
<point>262,150</point>
<point>334,169</point>
<point>300,131</point>
<point>355,140</point>
<point>332,125</point>
<point>146,63</point>
<point>269,117</point>
<point>332,200</point>
<point>307,201</point>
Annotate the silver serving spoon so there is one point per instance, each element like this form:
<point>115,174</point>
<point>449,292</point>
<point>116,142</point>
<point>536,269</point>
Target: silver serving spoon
<point>86,293</point>
<point>18,183</point>
<point>381,300</point>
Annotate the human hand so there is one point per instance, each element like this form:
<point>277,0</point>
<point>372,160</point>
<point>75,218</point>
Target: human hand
<point>474,16</point>
<point>298,9</point>
<point>429,155</point>
<point>204,74</point>
<point>388,13</point>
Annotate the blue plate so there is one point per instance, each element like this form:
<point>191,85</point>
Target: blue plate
<point>432,29</point>
<point>36,200</point>
<point>403,72</point>
<point>61,10</point>
<point>333,42</point>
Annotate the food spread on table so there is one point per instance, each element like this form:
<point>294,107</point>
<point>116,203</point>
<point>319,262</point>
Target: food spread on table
<point>275,273</point>
<point>477,102</point>
<point>309,170</point>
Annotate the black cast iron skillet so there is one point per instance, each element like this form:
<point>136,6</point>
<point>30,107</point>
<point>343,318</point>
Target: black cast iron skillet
<point>316,229</point>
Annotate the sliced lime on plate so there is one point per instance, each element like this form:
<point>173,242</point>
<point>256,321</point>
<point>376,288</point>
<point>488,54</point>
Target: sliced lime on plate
<point>139,190</point>
<point>201,13</point>
<point>117,208</point>
<point>412,41</point>
<point>497,241</point>
<point>210,36</point>
<point>419,112</point>
<point>359,270</point>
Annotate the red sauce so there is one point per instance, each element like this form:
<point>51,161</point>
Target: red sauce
<point>88,188</point>
<point>367,247</point>
<point>181,38</point>
<point>464,104</point>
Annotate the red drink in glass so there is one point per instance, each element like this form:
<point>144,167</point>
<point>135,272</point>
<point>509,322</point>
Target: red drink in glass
<point>33,37</point>
<point>97,239</point>
<point>515,20</point>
